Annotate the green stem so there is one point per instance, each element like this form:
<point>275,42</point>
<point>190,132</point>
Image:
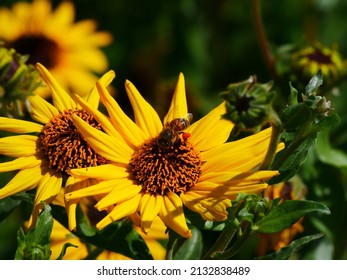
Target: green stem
<point>221,244</point>
<point>239,243</point>
<point>263,41</point>
<point>277,130</point>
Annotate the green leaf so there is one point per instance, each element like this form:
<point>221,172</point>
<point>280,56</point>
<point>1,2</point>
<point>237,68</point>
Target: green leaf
<point>287,213</point>
<point>7,205</point>
<point>285,252</point>
<point>293,160</point>
<point>191,248</point>
<point>35,245</point>
<point>295,116</point>
<point>328,154</point>
<point>326,123</point>
<point>315,82</point>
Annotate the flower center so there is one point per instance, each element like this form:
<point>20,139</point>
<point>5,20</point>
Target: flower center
<point>161,170</point>
<point>39,48</point>
<point>320,57</point>
<point>64,146</point>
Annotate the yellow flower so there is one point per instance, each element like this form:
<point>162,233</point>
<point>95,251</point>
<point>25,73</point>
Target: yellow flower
<point>48,148</point>
<point>201,172</point>
<point>308,61</point>
<point>70,50</point>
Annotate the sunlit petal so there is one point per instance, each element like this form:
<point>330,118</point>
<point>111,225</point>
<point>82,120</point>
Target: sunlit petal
<point>93,97</point>
<point>19,126</point>
<point>102,143</point>
<point>129,130</point>
<point>211,130</point>
<point>18,146</point>
<point>173,216</point>
<point>61,98</point>
<point>145,116</point>
<point>19,163</point>
<point>178,106</point>
<point>24,180</point>
<point>121,210</point>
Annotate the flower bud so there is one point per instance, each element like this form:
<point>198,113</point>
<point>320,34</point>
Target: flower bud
<point>248,103</point>
<point>17,81</point>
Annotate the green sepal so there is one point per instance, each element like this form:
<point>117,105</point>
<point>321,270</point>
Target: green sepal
<point>287,213</point>
<point>63,250</point>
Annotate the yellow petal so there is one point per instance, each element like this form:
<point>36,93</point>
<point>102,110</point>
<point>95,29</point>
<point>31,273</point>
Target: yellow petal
<point>178,106</point>
<point>18,146</point>
<point>72,185</point>
<point>40,10</point>
<point>145,116</point>
<point>19,126</point>
<point>104,144</point>
<point>102,187</point>
<point>238,177</point>
<point>241,155</point>
<point>211,130</point>
<point>149,209</point>
<point>228,190</point>
<point>128,129</point>
<point>62,16</point>
<point>100,118</point>
<point>93,97</point>
<point>102,172</point>
<point>47,189</point>
<point>120,211</point>
<point>173,216</point>
<point>61,99</point>
<point>210,208</point>
<point>40,110</point>
<point>123,191</point>
<point>24,180</point>
<point>19,163</point>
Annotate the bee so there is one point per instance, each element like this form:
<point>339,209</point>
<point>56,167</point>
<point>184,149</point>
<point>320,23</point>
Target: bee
<point>171,130</point>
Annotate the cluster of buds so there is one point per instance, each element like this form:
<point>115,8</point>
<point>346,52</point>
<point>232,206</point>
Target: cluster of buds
<point>17,80</point>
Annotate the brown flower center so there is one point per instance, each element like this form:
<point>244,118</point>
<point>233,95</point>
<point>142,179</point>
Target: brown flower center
<point>64,146</point>
<point>161,170</point>
<point>39,48</point>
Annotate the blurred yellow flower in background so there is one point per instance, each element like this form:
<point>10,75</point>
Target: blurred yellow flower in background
<point>70,50</point>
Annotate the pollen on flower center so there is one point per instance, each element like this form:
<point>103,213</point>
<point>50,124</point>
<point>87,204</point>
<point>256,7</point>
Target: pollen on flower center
<point>161,170</point>
<point>39,48</point>
<point>64,146</point>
